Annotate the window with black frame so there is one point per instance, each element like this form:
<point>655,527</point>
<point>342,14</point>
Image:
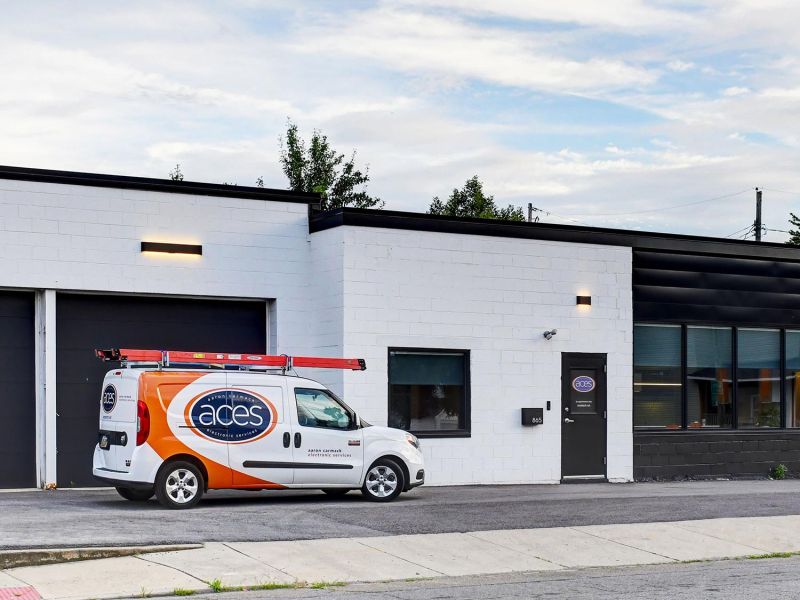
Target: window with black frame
<point>657,380</point>
<point>709,377</point>
<point>429,391</point>
<point>758,376</point>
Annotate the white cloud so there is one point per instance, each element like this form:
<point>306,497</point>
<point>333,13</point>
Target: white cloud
<point>680,66</point>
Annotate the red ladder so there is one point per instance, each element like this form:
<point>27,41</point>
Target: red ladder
<point>167,358</point>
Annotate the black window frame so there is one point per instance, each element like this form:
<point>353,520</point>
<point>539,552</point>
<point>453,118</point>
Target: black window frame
<point>466,432</point>
<point>734,327</point>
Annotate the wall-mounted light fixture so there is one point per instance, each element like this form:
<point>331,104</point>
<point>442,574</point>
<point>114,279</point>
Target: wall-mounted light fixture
<point>548,335</point>
<point>172,248</point>
<point>583,300</point>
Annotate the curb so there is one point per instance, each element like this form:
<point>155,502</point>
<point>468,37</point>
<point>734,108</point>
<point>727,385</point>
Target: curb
<point>47,556</point>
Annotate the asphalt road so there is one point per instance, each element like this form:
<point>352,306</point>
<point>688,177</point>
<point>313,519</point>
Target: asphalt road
<point>72,518</point>
<point>730,580</point>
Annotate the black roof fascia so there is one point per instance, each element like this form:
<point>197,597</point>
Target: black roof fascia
<point>644,240</point>
<point>156,185</point>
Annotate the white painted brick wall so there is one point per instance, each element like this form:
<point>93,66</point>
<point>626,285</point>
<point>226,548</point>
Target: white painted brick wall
<point>495,297</point>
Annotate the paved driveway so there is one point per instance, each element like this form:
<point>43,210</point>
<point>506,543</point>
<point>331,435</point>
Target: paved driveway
<point>101,518</point>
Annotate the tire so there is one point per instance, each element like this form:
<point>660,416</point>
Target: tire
<point>136,494</point>
<point>384,481</point>
<point>179,484</point>
<point>335,491</point>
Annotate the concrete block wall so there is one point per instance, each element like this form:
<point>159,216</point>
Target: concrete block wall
<point>71,237</point>
<point>676,455</point>
<point>495,297</point>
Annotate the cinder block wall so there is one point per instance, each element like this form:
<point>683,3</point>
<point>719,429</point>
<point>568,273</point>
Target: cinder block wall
<point>691,454</point>
<point>495,297</point>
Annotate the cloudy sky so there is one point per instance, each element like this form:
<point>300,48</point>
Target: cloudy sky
<point>622,113</point>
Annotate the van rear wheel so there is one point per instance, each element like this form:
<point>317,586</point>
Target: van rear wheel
<point>384,481</point>
<point>136,494</point>
<point>179,484</point>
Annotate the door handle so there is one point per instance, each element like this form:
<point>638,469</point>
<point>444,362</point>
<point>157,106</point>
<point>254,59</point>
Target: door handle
<point>297,439</point>
<point>286,439</point>
<point>568,420</point>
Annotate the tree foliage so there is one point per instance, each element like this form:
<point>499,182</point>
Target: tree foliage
<point>319,168</point>
<point>176,174</point>
<point>794,230</point>
<point>471,201</point>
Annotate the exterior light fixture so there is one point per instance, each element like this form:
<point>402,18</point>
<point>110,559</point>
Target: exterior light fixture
<point>583,300</point>
<point>172,248</point>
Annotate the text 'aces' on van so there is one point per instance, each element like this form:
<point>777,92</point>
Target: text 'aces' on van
<point>176,424</point>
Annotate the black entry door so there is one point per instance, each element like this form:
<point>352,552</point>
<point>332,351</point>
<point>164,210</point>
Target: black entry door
<point>85,322</point>
<point>583,416</point>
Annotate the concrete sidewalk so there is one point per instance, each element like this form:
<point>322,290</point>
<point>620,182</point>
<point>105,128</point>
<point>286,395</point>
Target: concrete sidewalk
<point>408,556</point>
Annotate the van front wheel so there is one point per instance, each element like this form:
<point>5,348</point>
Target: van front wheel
<point>179,484</point>
<point>384,481</point>
<point>135,495</point>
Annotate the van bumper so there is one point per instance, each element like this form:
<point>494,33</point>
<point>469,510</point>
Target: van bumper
<point>128,479</point>
<point>106,476</point>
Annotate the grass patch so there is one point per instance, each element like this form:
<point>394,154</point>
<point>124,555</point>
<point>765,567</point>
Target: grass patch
<point>217,586</point>
<point>182,592</point>
<point>319,585</point>
<point>772,555</point>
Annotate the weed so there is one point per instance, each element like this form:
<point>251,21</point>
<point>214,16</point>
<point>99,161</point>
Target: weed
<point>144,593</point>
<point>182,592</point>
<point>772,555</point>
<point>778,471</point>
<point>216,585</point>
<point>319,585</point>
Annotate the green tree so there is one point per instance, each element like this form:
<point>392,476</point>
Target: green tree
<point>794,230</point>
<point>176,174</point>
<point>471,201</point>
<point>319,168</point>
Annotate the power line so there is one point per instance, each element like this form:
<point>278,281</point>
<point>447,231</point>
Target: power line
<point>739,232</point>
<point>649,210</point>
<point>781,191</point>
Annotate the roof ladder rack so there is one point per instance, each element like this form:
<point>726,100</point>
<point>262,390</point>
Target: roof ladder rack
<point>175,358</point>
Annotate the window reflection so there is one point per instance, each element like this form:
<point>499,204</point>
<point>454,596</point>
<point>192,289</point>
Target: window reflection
<point>657,376</point>
<point>709,376</point>
<point>758,370</point>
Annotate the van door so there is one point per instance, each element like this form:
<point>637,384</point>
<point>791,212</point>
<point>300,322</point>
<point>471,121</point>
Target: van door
<point>259,441</point>
<point>117,431</point>
<point>327,448</point>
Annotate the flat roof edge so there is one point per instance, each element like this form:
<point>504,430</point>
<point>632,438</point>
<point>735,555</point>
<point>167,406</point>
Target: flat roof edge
<point>155,185</point>
<point>637,240</point>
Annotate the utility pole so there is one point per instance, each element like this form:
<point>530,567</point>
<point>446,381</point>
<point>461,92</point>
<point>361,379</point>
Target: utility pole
<point>530,212</point>
<point>757,223</point>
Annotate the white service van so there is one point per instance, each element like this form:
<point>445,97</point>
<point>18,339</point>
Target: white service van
<point>176,424</point>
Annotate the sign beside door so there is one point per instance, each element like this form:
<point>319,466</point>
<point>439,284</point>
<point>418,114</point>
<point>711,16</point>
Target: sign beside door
<point>583,416</point>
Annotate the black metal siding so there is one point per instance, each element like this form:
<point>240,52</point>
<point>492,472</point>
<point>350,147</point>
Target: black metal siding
<point>85,322</point>
<point>731,290</point>
<point>17,390</point>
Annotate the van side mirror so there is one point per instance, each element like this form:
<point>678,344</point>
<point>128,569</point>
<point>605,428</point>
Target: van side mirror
<point>356,424</point>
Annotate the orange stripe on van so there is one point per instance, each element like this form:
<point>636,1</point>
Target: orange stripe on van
<point>166,445</point>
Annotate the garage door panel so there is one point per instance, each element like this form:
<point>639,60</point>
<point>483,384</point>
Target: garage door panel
<point>85,322</point>
<point>17,384</point>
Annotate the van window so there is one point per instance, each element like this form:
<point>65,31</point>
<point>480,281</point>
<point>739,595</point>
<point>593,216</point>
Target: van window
<point>318,408</point>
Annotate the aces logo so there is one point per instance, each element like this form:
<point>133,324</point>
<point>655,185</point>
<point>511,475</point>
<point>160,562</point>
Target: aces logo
<point>583,384</point>
<point>109,398</point>
<point>231,415</point>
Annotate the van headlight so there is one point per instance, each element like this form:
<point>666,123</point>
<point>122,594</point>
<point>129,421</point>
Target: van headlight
<point>412,439</point>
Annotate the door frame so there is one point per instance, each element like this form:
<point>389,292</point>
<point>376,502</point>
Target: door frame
<point>565,357</point>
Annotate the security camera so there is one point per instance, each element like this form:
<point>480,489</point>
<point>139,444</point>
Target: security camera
<point>549,334</point>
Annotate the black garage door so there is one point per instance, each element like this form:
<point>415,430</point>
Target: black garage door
<point>17,391</point>
<point>86,322</point>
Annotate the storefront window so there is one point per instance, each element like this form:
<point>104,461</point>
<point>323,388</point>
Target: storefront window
<point>793,378</point>
<point>429,391</point>
<point>657,376</point>
<point>709,377</point>
<point>758,372</point>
